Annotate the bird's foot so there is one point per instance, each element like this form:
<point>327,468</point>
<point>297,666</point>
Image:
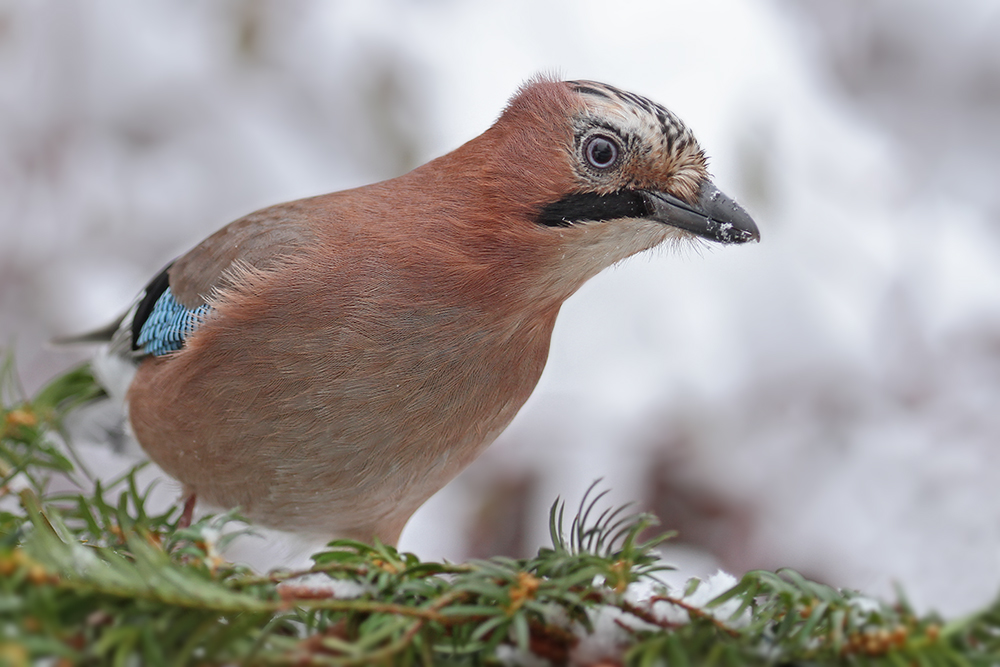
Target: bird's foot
<point>188,513</point>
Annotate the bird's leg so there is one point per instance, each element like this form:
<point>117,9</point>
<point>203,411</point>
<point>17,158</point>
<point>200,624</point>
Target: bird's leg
<point>188,513</point>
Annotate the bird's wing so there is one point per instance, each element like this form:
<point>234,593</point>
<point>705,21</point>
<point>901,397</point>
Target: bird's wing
<point>176,300</point>
<point>256,241</point>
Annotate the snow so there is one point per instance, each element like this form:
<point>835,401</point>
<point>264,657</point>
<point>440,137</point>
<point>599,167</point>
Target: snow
<point>835,385</point>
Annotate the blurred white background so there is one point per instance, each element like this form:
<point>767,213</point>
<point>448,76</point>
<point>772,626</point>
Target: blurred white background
<point>827,400</point>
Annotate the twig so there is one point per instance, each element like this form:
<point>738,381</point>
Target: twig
<point>694,611</point>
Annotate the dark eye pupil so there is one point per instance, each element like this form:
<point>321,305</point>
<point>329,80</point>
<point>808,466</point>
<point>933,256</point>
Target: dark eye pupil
<point>601,152</point>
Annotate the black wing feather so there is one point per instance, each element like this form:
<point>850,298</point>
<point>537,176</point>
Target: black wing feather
<point>154,290</point>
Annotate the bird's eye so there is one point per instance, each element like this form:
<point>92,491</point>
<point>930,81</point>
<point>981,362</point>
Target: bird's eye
<point>601,151</point>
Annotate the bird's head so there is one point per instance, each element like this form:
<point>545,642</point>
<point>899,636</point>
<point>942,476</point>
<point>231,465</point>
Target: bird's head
<point>633,159</point>
<point>604,173</point>
<point>573,177</point>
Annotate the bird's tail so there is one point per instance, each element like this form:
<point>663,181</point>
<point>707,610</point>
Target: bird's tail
<point>103,335</point>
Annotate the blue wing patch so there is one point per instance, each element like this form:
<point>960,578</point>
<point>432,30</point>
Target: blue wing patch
<point>168,324</point>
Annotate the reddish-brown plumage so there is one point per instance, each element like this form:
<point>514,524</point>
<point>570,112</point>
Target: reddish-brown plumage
<point>365,346</point>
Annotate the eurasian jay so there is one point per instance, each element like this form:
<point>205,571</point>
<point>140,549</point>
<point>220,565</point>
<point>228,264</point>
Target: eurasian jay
<point>330,363</point>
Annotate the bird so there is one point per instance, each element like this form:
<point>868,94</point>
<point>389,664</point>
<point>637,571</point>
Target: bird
<point>326,365</point>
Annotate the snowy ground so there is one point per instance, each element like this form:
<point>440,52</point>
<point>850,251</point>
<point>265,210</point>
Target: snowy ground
<point>824,400</point>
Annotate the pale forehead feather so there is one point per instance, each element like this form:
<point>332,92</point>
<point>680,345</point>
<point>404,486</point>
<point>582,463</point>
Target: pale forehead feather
<point>635,112</point>
<point>675,161</point>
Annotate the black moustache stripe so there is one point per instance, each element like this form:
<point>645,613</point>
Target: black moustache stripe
<point>589,206</point>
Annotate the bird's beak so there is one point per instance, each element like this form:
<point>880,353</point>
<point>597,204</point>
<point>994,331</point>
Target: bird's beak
<point>714,216</point>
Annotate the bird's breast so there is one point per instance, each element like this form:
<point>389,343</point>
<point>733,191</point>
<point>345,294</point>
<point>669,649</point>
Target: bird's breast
<point>353,393</point>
